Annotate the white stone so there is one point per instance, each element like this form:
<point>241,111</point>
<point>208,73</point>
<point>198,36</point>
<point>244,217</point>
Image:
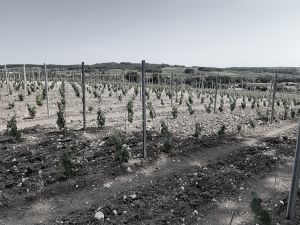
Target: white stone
<point>133,196</point>
<point>108,185</point>
<point>99,215</point>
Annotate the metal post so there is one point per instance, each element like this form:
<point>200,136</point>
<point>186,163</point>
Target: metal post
<point>144,109</point>
<point>6,78</point>
<point>172,90</point>
<point>176,90</point>
<point>295,181</point>
<point>216,93</point>
<point>273,99</point>
<point>83,95</point>
<point>25,92</point>
<point>46,84</point>
<point>5,70</point>
<point>140,85</point>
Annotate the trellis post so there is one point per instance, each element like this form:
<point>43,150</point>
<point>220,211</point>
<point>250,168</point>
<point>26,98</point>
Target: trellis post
<point>25,92</point>
<point>216,93</point>
<point>273,99</point>
<point>83,95</point>
<point>46,84</point>
<point>144,110</point>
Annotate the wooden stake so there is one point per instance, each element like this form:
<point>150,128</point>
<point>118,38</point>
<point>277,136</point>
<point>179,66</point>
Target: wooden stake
<point>273,99</point>
<point>232,215</point>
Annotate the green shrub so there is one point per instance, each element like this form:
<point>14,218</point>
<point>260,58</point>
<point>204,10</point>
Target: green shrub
<point>243,104</point>
<point>39,100</point>
<point>181,99</point>
<point>190,108</point>
<point>278,102</point>
<point>12,129</point>
<point>44,93</point>
<point>264,103</point>
<point>190,99</point>
<point>66,162</point>
<point>253,104</point>
<point>166,135</point>
<point>263,117</point>
<point>130,110</point>
<point>198,130</point>
<point>221,107</point>
<point>100,118</point>
<point>285,112</point>
<point>61,122</point>
<point>293,113</point>
<point>174,112</point>
<point>232,105</point>
<point>262,216</point>
<point>90,109</point>
<point>120,97</point>
<point>21,97</point>
<point>202,100</point>
<point>151,110</point>
<point>222,130</point>
<point>11,105</point>
<point>136,90</point>
<point>31,110</point>
<point>252,123</point>
<point>163,128</point>
<point>62,90</point>
<point>208,108</point>
<point>121,153</point>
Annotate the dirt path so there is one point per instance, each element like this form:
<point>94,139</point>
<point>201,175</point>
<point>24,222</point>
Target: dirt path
<point>46,210</point>
<point>272,193</point>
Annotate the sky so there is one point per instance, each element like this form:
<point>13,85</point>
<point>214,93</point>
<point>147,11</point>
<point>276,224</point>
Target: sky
<point>220,33</point>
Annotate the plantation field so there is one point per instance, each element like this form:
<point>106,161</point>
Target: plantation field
<point>201,165</point>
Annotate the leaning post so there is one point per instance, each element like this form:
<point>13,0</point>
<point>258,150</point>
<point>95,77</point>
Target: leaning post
<point>273,99</point>
<point>290,214</point>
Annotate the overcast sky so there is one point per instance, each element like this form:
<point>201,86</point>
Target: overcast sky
<point>219,33</point>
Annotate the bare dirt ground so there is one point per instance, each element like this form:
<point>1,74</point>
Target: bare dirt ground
<point>200,182</point>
